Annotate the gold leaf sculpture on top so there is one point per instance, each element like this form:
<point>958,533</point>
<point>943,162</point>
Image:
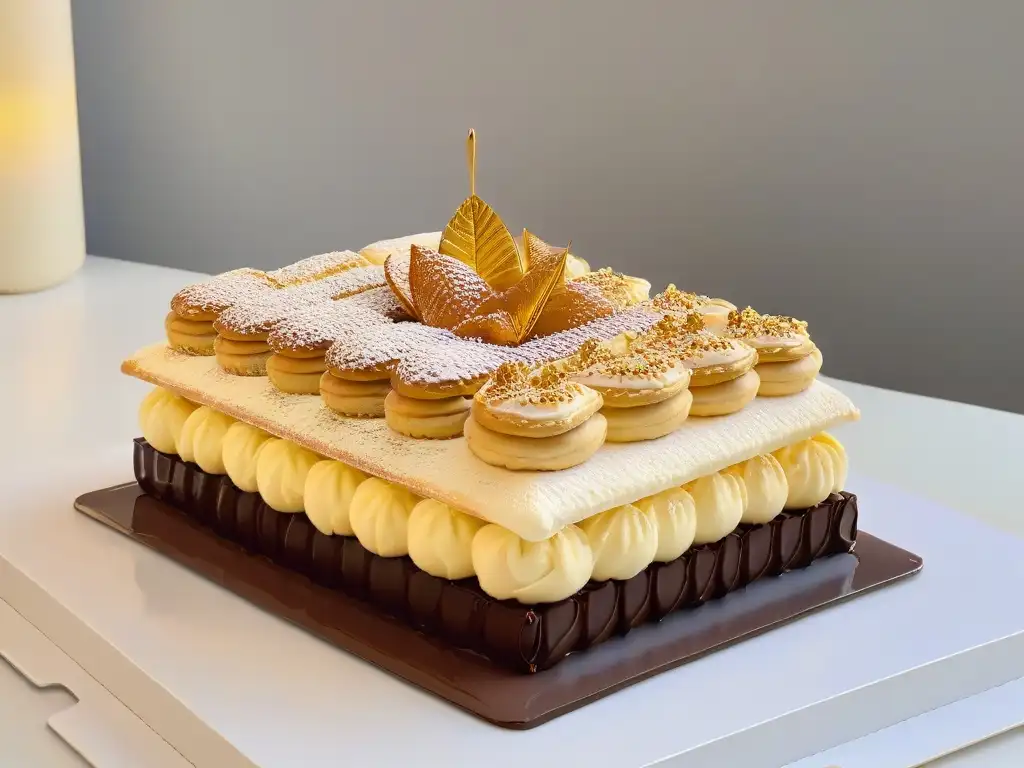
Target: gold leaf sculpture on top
<point>513,313</point>
<point>483,283</point>
<point>478,237</point>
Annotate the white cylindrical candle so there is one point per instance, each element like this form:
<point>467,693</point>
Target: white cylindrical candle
<point>42,232</point>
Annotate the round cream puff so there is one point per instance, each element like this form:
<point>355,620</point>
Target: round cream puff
<point>545,453</point>
<point>296,375</point>
<point>643,387</point>
<point>722,377</point>
<point>525,418</point>
<point>436,419</point>
<point>362,398</point>
<point>788,361</point>
<point>713,312</point>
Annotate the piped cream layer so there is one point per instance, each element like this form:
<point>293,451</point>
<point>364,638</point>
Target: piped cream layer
<point>532,505</point>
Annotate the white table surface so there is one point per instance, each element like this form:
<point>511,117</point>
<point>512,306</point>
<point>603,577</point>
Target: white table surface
<point>69,411</point>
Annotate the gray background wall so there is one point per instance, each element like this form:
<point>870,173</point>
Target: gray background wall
<point>858,164</point>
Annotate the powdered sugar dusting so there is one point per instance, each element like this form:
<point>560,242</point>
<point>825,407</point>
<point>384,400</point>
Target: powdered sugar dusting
<point>316,267</point>
<point>458,360</point>
<point>220,292</point>
<point>380,301</point>
<point>262,311</point>
<point>565,343</point>
<point>256,315</point>
<point>317,326</point>
<point>353,281</point>
<point>384,345</point>
<point>444,290</point>
<point>430,356</point>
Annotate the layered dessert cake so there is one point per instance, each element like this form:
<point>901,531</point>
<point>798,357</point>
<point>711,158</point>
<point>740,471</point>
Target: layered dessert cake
<point>482,437</point>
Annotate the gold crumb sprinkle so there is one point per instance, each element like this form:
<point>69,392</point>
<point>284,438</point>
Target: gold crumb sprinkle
<point>527,385</point>
<point>750,324</point>
<point>674,300</point>
<point>614,286</point>
<point>650,355</point>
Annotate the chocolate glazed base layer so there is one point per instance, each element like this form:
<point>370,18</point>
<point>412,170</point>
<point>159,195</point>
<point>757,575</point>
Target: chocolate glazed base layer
<point>466,679</point>
<point>524,638</point>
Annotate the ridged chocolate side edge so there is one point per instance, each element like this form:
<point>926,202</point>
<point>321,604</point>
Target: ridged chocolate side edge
<point>524,638</point>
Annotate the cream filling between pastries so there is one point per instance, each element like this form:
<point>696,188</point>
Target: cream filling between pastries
<point>296,375</point>
<point>536,420</point>
<point>281,471</point>
<point>780,379</point>
<point>648,422</point>
<point>201,440</point>
<point>766,488</point>
<point>675,516</point>
<point>441,540</point>
<point>242,358</point>
<point>379,514</point>
<point>327,495</point>
<point>719,500</point>
<point>354,398</point>
<point>390,521</point>
<point>726,397</point>
<point>193,336</point>
<point>562,451</point>
<point>438,419</point>
<point>242,445</point>
<point>162,414</point>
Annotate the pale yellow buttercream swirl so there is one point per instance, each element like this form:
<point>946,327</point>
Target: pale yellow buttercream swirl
<point>624,541</point>
<point>815,468</point>
<point>675,516</point>
<point>720,500</point>
<point>240,450</point>
<point>202,439</point>
<point>766,486</point>
<point>441,539</point>
<point>511,568</point>
<point>330,487</point>
<point>379,515</point>
<point>281,470</point>
<point>162,414</point>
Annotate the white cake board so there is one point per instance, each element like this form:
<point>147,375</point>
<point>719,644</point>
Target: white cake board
<point>98,727</point>
<point>939,733</point>
<point>227,685</point>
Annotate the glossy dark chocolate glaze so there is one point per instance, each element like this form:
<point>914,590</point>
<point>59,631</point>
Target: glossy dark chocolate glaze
<point>524,638</point>
<point>465,679</point>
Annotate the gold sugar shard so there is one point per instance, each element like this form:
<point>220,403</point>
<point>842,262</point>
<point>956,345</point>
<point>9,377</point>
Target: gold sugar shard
<point>478,238</point>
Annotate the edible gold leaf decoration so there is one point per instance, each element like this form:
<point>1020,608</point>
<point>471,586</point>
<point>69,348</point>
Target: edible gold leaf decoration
<point>577,305</point>
<point>478,238</point>
<point>396,272</point>
<point>525,300</point>
<point>536,250</point>
<point>495,327</point>
<point>445,292</point>
<point>483,283</point>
